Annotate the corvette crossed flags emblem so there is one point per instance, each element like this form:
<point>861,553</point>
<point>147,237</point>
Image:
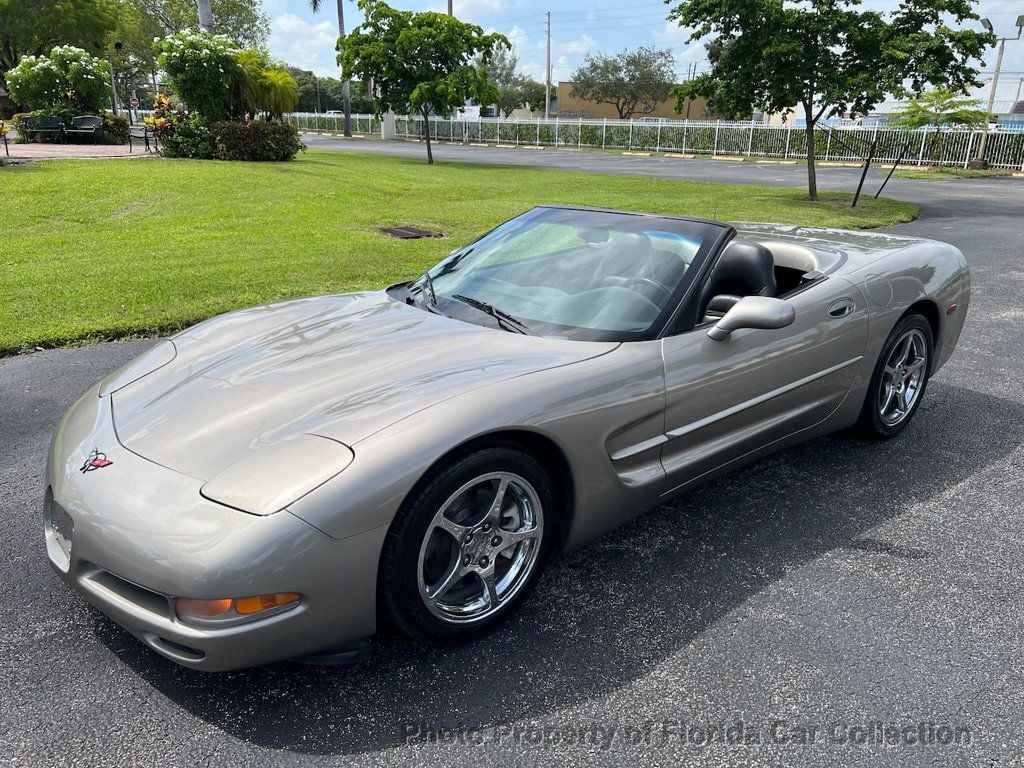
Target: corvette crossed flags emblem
<point>96,460</point>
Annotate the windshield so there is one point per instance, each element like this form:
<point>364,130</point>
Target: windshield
<point>572,273</point>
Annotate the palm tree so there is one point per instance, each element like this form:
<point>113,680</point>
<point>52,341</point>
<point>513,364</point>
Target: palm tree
<point>205,15</point>
<point>345,98</point>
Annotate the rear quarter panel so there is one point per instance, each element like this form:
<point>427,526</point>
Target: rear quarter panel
<point>895,280</point>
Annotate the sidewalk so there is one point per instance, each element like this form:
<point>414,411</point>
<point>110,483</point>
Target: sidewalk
<point>74,151</point>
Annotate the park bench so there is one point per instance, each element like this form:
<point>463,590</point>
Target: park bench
<point>140,132</point>
<point>84,125</point>
<point>42,124</point>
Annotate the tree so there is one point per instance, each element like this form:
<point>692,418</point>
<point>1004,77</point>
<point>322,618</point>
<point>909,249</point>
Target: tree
<point>713,104</point>
<point>241,20</point>
<point>280,91</point>
<point>346,96</point>
<point>320,94</point>
<point>501,69</point>
<point>828,57</point>
<point>937,109</point>
<point>514,89</point>
<point>129,48</point>
<point>423,61</point>
<point>265,86</point>
<point>941,107</point>
<point>33,27</point>
<point>634,82</point>
<point>205,10</point>
<point>530,93</point>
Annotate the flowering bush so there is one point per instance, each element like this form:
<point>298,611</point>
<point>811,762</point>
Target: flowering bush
<point>202,71</point>
<point>67,78</point>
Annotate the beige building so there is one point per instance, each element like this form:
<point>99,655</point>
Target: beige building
<point>573,108</point>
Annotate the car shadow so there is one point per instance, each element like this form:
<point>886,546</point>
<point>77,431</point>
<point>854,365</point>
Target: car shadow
<point>607,614</point>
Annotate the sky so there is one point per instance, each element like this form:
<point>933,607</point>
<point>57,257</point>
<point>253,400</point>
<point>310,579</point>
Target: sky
<point>306,40</point>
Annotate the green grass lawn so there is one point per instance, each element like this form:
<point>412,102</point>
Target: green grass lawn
<point>104,249</point>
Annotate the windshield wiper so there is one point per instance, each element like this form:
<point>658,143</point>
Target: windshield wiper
<point>427,287</point>
<point>430,288</point>
<point>505,320</point>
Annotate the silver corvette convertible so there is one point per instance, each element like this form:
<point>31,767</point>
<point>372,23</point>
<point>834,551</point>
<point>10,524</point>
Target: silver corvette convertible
<point>276,482</point>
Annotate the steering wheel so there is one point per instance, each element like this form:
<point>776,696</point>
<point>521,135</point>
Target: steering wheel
<point>664,290</point>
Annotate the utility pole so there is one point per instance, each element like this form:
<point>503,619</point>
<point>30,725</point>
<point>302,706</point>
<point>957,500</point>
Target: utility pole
<point>547,86</point>
<point>995,82</point>
<point>450,11</point>
<point>691,71</point>
<point>113,88</point>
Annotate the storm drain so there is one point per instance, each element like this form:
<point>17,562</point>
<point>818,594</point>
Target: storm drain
<point>409,233</point>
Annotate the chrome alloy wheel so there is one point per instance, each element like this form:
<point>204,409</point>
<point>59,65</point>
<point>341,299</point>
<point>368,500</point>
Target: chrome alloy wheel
<point>903,377</point>
<point>480,548</point>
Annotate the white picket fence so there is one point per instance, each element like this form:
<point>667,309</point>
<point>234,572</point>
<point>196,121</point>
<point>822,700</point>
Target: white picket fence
<point>1005,149</point>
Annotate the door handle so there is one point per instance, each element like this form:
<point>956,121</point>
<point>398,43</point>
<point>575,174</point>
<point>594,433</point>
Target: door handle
<point>842,307</point>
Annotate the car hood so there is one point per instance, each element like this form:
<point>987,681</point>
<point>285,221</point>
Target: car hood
<point>340,367</point>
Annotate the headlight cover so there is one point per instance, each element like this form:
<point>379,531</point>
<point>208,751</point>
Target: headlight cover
<point>275,475</point>
<point>156,357</point>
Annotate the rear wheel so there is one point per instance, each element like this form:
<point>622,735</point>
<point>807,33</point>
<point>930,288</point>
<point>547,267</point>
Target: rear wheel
<point>468,546</point>
<point>899,379</point>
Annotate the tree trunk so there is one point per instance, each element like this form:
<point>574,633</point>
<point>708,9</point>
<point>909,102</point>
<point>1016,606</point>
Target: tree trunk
<point>206,15</point>
<point>812,175</point>
<point>346,99</point>
<point>426,131</point>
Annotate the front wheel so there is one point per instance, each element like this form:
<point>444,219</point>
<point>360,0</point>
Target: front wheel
<point>468,545</point>
<point>899,379</point>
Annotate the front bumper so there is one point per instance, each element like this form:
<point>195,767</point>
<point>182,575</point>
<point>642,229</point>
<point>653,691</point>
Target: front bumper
<point>141,534</point>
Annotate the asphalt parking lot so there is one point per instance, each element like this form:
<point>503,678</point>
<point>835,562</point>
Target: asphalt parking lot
<point>787,614</point>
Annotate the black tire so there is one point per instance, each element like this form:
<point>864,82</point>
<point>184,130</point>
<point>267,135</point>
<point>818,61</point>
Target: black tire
<point>872,422</point>
<point>399,590</point>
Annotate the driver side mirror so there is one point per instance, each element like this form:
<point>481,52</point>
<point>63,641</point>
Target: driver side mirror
<point>753,312</point>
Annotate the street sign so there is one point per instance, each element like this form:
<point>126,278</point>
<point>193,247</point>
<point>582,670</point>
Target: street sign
<point>134,102</point>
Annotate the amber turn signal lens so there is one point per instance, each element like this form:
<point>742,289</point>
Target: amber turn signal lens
<point>249,605</point>
<point>203,608</point>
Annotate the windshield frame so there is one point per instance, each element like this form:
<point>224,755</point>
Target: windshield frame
<point>713,236</point>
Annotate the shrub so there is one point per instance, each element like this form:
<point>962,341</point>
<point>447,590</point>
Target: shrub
<point>68,78</point>
<point>190,138</point>
<point>257,140</point>
<point>115,129</point>
<point>180,134</point>
<point>202,71</point>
